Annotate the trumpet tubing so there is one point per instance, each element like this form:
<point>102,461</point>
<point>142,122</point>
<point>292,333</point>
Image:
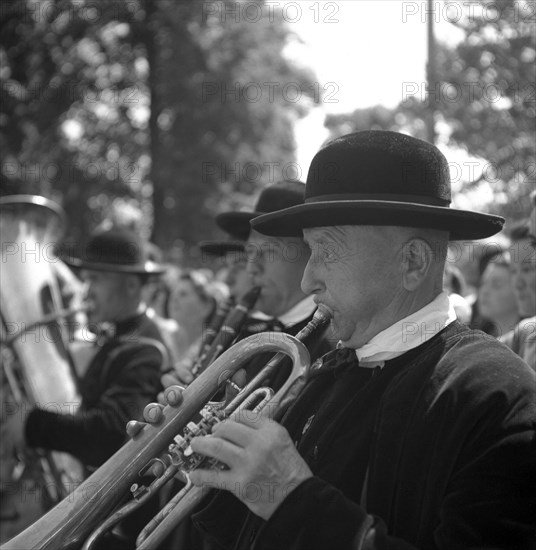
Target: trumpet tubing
<point>72,520</point>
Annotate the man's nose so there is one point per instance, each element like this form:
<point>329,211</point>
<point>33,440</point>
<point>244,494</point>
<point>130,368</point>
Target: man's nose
<point>254,272</point>
<point>252,267</point>
<point>310,282</point>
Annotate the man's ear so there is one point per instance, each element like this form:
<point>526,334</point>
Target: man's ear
<point>418,257</point>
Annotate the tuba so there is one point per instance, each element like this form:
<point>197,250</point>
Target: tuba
<point>36,365</point>
<point>161,452</point>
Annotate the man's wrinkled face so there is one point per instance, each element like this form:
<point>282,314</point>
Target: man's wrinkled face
<point>355,271</point>
<point>237,278</point>
<point>276,265</point>
<point>107,296</point>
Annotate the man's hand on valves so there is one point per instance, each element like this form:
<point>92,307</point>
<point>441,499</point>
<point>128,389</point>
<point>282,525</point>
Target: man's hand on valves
<point>263,465</point>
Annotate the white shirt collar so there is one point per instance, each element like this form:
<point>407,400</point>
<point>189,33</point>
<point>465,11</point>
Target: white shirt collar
<point>299,312</point>
<point>408,333</point>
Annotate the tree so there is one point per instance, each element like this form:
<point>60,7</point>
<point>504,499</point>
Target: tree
<point>487,103</point>
<point>69,129</point>
<point>489,99</point>
<point>118,110</point>
<point>222,127</point>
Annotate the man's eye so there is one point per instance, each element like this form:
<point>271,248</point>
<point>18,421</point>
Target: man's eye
<point>329,255</point>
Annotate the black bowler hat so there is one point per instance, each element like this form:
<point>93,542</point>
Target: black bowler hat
<point>116,250</point>
<point>379,178</point>
<point>221,248</point>
<point>275,197</point>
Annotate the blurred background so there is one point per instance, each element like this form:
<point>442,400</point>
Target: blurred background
<point>158,114</point>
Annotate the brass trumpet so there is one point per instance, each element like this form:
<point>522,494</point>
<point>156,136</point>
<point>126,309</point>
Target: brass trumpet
<point>159,451</point>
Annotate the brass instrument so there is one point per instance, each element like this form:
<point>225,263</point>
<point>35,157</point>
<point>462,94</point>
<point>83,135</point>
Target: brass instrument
<point>36,365</point>
<point>157,449</point>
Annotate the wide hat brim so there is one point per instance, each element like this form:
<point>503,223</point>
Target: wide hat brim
<point>221,248</point>
<point>461,224</point>
<point>236,224</point>
<point>147,268</point>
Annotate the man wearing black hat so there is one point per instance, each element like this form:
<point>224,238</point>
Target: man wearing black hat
<point>234,259</point>
<point>417,432</point>
<point>276,266</point>
<point>124,374</point>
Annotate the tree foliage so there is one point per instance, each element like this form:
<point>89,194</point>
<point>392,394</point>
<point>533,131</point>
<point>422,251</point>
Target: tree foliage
<point>117,110</point>
<point>485,101</point>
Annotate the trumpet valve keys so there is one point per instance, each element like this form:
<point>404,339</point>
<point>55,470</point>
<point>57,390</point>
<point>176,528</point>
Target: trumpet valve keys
<point>193,428</point>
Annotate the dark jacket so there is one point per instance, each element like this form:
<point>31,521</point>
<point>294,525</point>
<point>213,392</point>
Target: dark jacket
<point>186,537</point>
<point>121,379</point>
<point>445,435</point>
<point>317,344</point>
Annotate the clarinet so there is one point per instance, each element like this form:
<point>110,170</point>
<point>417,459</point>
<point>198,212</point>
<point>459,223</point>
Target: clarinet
<point>228,331</point>
<point>222,310</point>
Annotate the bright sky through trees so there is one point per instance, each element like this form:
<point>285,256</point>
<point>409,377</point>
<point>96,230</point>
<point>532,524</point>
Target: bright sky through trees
<point>364,53</point>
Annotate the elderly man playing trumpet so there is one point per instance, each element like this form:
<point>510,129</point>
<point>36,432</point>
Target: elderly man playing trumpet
<point>418,432</point>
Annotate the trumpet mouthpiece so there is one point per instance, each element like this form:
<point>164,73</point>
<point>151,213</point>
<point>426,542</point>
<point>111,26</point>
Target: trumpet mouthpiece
<point>322,314</point>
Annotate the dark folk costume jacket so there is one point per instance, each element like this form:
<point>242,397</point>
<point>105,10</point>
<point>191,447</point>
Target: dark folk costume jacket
<point>436,450</point>
<point>121,379</point>
<point>186,537</point>
<point>317,345</point>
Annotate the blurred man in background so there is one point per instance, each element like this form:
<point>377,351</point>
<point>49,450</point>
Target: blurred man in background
<point>276,266</point>
<point>124,372</point>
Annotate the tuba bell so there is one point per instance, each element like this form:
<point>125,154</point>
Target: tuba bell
<point>36,364</point>
<point>161,452</point>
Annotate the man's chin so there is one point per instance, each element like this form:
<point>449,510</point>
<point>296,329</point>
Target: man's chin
<point>347,340</point>
<point>265,306</point>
